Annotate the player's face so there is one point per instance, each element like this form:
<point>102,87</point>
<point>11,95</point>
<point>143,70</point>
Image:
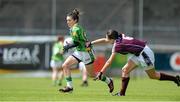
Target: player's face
<point>70,21</point>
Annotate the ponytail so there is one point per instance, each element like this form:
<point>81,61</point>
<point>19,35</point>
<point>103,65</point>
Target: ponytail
<point>74,14</point>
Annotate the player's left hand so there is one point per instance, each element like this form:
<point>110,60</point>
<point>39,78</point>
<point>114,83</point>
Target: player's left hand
<point>98,76</point>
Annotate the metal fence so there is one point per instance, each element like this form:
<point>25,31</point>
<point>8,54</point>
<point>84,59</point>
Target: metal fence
<point>154,20</point>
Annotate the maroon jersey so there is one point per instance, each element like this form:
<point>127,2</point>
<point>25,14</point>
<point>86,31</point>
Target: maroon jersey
<point>125,45</point>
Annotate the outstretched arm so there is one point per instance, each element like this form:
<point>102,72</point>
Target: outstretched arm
<point>108,62</point>
<point>98,41</point>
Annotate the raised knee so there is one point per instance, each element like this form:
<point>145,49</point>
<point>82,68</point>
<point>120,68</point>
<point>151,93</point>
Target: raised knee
<point>124,72</point>
<point>64,66</point>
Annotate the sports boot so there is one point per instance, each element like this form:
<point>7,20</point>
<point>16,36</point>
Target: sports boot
<point>111,86</point>
<point>178,80</point>
<point>66,89</point>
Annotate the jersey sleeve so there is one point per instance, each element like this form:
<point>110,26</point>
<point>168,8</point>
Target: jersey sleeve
<point>75,34</point>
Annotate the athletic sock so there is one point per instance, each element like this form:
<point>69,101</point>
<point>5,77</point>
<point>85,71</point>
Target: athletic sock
<point>164,76</point>
<point>105,79</point>
<point>125,81</point>
<point>54,82</point>
<point>59,82</point>
<point>69,82</point>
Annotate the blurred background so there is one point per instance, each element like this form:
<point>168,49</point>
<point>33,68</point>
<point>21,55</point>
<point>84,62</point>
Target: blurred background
<point>28,29</point>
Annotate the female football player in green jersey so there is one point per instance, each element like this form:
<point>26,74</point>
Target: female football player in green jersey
<point>81,54</point>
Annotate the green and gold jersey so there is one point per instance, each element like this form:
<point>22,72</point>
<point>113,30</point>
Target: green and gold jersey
<point>78,35</point>
<point>57,48</point>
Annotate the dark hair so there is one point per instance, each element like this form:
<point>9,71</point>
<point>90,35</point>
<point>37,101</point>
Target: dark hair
<point>60,38</point>
<point>112,34</point>
<point>74,14</point>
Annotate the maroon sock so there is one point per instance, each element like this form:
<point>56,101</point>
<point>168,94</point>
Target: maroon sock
<point>125,82</point>
<point>164,76</point>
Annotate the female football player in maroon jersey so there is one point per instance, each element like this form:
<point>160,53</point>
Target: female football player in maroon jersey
<point>140,54</point>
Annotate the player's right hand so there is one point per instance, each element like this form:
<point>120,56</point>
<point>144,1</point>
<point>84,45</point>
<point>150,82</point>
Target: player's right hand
<point>98,76</point>
<point>65,49</point>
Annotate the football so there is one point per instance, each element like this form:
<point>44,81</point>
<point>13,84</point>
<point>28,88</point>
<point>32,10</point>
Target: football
<point>68,41</point>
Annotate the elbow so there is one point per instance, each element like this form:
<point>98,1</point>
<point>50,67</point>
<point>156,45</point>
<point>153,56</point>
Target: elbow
<point>106,40</point>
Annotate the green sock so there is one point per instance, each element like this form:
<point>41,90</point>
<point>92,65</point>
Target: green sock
<point>68,78</point>
<point>105,79</point>
<point>69,82</point>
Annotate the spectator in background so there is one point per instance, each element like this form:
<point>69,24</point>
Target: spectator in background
<point>82,68</point>
<point>57,60</point>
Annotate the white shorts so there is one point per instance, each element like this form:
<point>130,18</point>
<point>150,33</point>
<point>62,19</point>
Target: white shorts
<point>140,60</point>
<point>85,57</point>
<point>56,64</point>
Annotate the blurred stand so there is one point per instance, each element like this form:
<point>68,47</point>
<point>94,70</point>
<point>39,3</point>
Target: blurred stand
<point>28,28</point>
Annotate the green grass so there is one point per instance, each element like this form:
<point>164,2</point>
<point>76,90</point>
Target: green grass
<point>40,89</point>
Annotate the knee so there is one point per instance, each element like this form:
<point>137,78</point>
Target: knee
<point>64,66</point>
<point>124,72</point>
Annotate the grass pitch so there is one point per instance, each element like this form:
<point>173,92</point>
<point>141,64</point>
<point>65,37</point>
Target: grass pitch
<point>40,89</point>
